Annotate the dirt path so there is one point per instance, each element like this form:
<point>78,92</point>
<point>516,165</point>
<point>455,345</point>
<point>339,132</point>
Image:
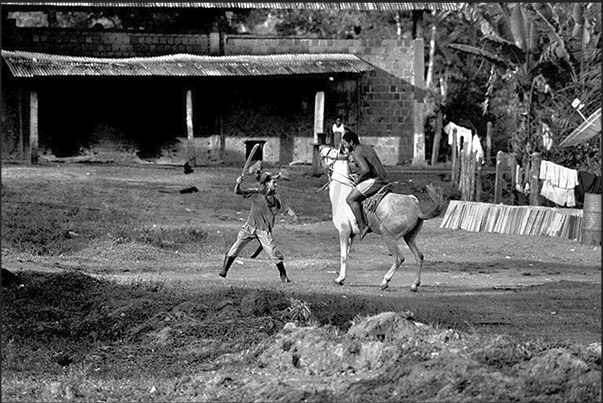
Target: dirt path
<point>527,285</point>
<point>521,290</point>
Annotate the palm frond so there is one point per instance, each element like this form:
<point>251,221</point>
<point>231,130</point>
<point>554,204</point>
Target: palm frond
<point>491,57</point>
<point>519,27</point>
<point>544,26</point>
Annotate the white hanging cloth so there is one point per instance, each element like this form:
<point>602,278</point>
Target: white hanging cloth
<point>558,183</point>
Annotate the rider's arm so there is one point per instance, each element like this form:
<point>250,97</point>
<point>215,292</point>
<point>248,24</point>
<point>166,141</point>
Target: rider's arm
<point>342,155</point>
<point>363,167</point>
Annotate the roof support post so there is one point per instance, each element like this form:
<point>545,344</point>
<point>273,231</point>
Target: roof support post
<point>33,127</point>
<point>214,43</point>
<point>190,142</point>
<point>21,101</point>
<point>319,111</point>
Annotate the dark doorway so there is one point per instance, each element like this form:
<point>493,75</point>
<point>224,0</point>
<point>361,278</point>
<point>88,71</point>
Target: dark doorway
<point>259,153</point>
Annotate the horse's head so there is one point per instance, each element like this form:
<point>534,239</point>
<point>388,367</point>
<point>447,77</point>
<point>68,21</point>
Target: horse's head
<point>328,155</point>
<point>338,167</point>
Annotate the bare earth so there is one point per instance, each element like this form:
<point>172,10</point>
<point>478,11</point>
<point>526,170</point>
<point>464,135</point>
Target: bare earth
<point>525,287</point>
<point>534,286</point>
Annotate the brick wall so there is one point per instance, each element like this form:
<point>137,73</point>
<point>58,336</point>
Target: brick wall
<point>103,43</point>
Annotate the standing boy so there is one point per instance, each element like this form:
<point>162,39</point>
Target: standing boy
<point>265,203</point>
<point>338,129</point>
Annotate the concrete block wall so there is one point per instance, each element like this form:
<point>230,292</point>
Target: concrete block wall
<point>117,44</point>
<point>386,94</point>
<point>388,148</point>
<point>207,150</point>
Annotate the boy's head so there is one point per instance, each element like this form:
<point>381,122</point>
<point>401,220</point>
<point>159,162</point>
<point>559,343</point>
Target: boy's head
<point>268,180</point>
<point>351,137</point>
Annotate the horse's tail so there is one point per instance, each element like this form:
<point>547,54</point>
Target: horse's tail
<point>438,199</point>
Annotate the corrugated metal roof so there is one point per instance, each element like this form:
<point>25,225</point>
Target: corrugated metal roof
<point>467,8</point>
<point>27,64</point>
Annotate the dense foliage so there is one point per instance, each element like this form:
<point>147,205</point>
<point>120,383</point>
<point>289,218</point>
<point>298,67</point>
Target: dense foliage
<point>542,58</point>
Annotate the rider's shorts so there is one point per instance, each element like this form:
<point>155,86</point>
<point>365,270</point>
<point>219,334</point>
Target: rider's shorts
<point>369,187</point>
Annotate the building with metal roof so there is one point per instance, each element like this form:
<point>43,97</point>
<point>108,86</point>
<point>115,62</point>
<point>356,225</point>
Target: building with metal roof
<point>214,94</point>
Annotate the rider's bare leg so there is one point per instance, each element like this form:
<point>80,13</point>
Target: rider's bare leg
<point>354,200</point>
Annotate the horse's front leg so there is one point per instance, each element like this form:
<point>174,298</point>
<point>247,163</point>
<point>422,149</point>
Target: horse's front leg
<point>344,248</point>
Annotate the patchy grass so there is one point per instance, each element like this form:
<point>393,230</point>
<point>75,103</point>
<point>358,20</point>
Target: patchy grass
<point>79,334</point>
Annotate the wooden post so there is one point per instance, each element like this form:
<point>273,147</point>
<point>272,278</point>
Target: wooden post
<point>190,145</point>
<point>488,143</point>
<point>33,127</point>
<point>455,162</point>
<point>435,150</point>
<point>514,170</point>
<point>498,179</point>
<point>535,160</point>
<point>478,182</point>
<point>472,170</point>
<point>464,175</point>
<point>319,109</point>
<point>222,138</point>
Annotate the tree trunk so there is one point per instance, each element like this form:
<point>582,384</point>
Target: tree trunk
<point>430,61</point>
<point>437,136</point>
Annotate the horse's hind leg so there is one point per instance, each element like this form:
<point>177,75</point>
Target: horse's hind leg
<point>395,250</point>
<point>410,241</point>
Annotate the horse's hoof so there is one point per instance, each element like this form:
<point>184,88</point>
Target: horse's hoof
<point>414,288</point>
<point>384,287</point>
<point>338,282</point>
<point>285,279</point>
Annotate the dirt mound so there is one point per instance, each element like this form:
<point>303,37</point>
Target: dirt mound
<point>260,345</point>
<point>396,359</point>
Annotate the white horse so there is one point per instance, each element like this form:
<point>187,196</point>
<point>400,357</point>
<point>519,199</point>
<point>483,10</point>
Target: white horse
<point>397,216</point>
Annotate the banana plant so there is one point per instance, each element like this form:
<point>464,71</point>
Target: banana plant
<point>525,43</point>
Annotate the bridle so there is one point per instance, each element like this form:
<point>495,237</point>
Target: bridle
<point>329,158</point>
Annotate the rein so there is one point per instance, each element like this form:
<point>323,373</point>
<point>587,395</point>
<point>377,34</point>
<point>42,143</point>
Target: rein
<point>335,176</point>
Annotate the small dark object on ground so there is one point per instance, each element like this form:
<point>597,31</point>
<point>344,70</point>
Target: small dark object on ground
<point>63,359</point>
<point>187,168</point>
<point>9,279</point>
<point>192,189</point>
